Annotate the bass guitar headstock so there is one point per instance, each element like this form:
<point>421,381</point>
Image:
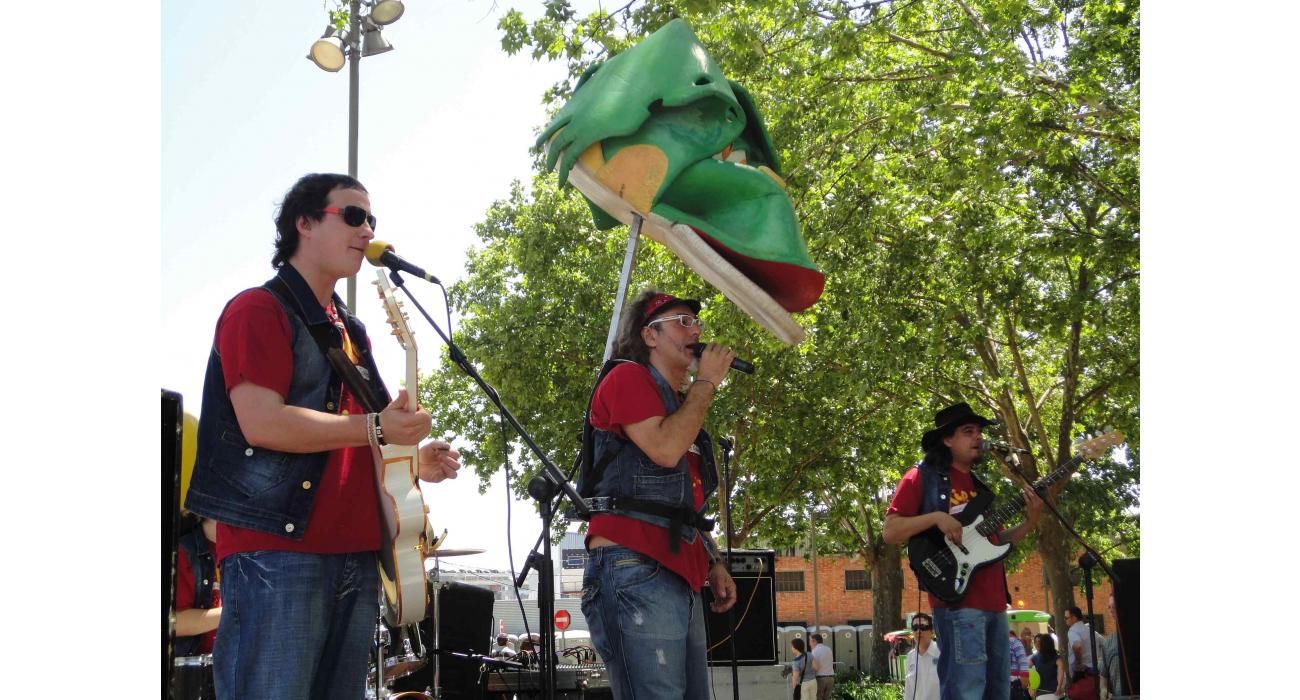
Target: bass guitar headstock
<point>1094,447</point>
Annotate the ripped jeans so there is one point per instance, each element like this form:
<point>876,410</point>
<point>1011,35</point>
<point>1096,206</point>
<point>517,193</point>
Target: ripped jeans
<point>647,625</point>
<point>295,625</point>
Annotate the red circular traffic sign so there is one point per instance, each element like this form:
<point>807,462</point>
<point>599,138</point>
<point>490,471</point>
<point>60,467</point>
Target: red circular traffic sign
<point>562,620</point>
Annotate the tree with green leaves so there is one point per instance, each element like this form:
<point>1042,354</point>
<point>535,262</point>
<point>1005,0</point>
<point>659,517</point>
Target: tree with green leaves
<point>966,175</point>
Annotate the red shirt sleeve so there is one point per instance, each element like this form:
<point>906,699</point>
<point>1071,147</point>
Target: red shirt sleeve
<point>254,342</point>
<point>627,396</point>
<point>907,498</point>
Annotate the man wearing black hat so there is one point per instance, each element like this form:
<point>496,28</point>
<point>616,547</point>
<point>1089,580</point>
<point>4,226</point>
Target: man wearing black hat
<point>650,546</point>
<point>929,496</point>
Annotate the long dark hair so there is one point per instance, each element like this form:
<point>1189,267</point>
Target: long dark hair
<point>628,343</point>
<point>938,457</point>
<point>1048,651</point>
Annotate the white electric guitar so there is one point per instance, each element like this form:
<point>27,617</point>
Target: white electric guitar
<point>405,535</point>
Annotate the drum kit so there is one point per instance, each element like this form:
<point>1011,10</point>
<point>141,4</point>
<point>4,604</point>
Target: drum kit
<point>399,652</point>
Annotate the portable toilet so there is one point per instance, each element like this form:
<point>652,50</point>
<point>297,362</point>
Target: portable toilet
<point>864,647</point>
<point>786,635</point>
<point>845,646</point>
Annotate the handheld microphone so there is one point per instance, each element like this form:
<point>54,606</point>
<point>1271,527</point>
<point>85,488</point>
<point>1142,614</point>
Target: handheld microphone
<point>737,364</point>
<point>380,254</point>
<point>999,446</point>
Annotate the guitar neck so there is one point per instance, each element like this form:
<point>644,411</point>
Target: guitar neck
<point>994,520</point>
<point>412,379</point>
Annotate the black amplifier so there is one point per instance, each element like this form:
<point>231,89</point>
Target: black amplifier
<point>754,612</point>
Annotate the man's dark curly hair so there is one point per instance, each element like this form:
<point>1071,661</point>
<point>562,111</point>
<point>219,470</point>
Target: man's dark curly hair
<point>307,197</point>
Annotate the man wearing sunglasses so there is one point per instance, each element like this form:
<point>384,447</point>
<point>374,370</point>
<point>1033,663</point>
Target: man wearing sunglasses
<point>651,550</point>
<point>922,679</point>
<point>284,460</point>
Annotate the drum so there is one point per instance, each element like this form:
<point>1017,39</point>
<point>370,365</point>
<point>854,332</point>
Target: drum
<point>192,678</point>
<point>404,652</point>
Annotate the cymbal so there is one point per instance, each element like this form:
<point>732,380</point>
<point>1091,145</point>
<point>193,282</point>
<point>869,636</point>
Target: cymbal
<point>440,553</point>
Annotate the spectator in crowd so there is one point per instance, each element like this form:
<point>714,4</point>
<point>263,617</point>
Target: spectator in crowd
<point>1047,663</point>
<point>922,680</point>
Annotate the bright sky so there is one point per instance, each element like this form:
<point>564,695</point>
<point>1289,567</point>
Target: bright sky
<point>446,121</point>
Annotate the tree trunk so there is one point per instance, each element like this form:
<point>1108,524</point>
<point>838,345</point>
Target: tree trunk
<point>1054,546</point>
<point>886,605</point>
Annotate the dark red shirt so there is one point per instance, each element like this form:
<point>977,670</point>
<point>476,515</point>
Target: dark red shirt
<point>986,590</point>
<point>627,396</point>
<point>253,339</point>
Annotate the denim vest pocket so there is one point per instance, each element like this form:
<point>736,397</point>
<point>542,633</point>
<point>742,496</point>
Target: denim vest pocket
<point>662,488</point>
<point>250,470</point>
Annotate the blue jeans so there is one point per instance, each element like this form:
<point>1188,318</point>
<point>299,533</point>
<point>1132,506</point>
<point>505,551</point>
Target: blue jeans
<point>295,626</point>
<point>974,655</point>
<point>648,626</point>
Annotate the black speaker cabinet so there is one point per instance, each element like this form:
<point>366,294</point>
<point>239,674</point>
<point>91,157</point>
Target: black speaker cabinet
<point>1126,606</point>
<point>171,484</point>
<point>754,612</point>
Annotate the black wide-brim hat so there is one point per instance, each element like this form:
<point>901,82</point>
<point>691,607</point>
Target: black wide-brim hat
<point>948,420</point>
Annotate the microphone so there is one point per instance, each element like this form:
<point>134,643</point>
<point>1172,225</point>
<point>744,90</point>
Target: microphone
<point>380,254</point>
<point>999,446</point>
<point>736,364</point>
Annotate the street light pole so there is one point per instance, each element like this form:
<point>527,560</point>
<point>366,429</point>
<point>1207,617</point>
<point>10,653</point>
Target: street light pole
<point>354,87</point>
<point>330,52</point>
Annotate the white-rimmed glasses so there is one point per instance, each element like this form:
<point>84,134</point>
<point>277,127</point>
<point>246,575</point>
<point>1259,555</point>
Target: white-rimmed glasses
<point>686,320</point>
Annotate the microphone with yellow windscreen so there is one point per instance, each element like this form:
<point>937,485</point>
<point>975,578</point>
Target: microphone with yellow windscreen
<point>380,254</point>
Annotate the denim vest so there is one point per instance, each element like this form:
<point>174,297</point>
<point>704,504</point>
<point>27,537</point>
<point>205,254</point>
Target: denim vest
<point>254,487</point>
<point>195,544</point>
<point>936,488</point>
<point>632,474</point>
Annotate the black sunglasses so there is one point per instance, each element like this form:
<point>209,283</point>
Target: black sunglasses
<point>353,215</point>
<point>922,627</point>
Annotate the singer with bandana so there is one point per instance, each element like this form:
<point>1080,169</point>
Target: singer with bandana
<point>651,552</point>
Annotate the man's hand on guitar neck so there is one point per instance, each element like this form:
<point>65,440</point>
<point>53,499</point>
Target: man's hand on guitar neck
<point>438,461</point>
<point>402,426</point>
<point>1035,509</point>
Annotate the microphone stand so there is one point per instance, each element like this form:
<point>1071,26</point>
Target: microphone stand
<point>542,487</point>
<point>1090,557</point>
<point>725,443</point>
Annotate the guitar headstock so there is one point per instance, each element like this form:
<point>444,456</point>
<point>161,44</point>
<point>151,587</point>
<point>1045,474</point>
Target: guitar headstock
<point>1094,447</point>
<point>393,308</point>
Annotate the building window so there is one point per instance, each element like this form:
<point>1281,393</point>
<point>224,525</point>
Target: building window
<point>789,581</point>
<point>575,558</point>
<point>857,580</point>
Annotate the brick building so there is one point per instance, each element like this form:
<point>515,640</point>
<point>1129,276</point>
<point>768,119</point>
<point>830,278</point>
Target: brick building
<point>844,591</point>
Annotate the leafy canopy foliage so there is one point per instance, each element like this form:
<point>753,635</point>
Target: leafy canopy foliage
<point>965,172</point>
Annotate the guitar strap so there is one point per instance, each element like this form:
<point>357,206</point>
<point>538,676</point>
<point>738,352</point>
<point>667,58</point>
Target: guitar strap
<point>331,345</point>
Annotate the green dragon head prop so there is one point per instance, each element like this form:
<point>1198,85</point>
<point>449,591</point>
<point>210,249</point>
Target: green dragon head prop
<point>658,131</point>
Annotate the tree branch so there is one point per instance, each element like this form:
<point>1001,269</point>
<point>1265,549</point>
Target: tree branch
<point>920,47</point>
<point>974,18</point>
<point>1101,388</point>
<point>1117,138</point>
